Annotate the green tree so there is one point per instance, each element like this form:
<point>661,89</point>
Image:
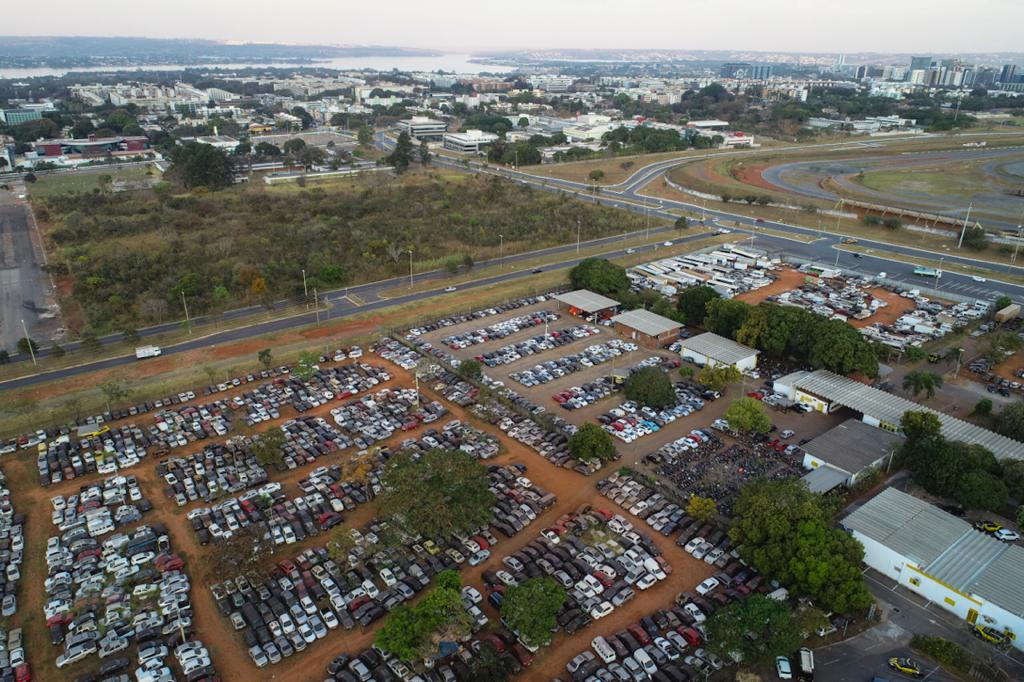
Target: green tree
<point>530,609</point>
<point>1019,515</point>
<point>599,275</point>
<point>650,386</point>
<point>267,149</point>
<point>975,238</point>
<point>489,665</point>
<point>412,632</point>
<point>114,389</point>
<point>726,316</point>
<point>268,447</point>
<point>424,153</point>
<point>266,358</point>
<point>719,376</point>
<point>401,156</point>
<point>364,136</point>
<point>26,345</point>
<point>596,175</point>
<point>591,441</point>
<point>441,493</point>
<point>682,222</point>
<point>1010,421</point>
<point>469,369</point>
<point>982,408</point>
<point>5,356</point>
<point>306,366</point>
<point>701,508</point>
<point>757,628</point>
<point>1002,302</point>
<point>293,146</point>
<point>340,545</point>
<point>201,165</point>
<point>918,381</point>
<point>747,415</point>
<point>981,490</point>
<point>693,304</point>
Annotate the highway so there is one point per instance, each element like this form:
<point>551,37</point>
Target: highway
<point>625,196</point>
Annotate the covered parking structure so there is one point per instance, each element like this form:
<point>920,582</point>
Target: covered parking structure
<point>826,392</point>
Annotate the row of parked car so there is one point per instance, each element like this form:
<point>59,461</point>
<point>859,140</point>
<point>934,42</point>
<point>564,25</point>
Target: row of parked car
<point>630,421</point>
<point>129,590</point>
<point>378,416</point>
<point>100,507</point>
<point>68,456</point>
<point>217,469</point>
<point>578,397</point>
<point>499,330</point>
<point>13,663</point>
<point>327,383</point>
<point>549,370</point>
<point>499,309</point>
<point>535,344</point>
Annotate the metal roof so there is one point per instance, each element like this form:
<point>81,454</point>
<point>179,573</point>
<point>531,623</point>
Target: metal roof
<point>917,530</point>
<point>944,547</point>
<point>825,478</point>
<point>853,445</point>
<point>646,322</point>
<point>718,348</point>
<point>889,408</point>
<point>586,300</point>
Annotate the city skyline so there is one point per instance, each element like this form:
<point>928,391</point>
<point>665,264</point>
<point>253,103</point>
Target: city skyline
<point>458,26</point>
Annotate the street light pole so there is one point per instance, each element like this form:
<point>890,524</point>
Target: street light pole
<point>964,230</point>
<point>577,236</point>
<point>501,251</point>
<point>938,275</point>
<point>28,342</point>
<point>410,268</point>
<point>305,291</point>
<point>188,322</point>
<point>316,302</point>
<point>1020,231</point>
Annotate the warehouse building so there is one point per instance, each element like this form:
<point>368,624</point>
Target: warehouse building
<point>586,304</point>
<point>714,350</point>
<point>826,392</point>
<point>943,559</point>
<point>647,328</point>
<point>838,456</point>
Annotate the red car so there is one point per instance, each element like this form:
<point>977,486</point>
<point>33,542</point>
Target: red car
<point>495,641</point>
<point>523,654</point>
<point>640,634</point>
<point>24,674</point>
<point>691,636</point>
<point>757,395</point>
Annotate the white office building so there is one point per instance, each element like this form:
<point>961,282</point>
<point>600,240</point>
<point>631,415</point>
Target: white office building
<point>422,127</point>
<point>469,141</point>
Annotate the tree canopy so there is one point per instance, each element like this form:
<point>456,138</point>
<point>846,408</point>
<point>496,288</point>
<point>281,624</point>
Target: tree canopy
<point>747,415</point>
<point>917,381</point>
<point>441,493</point>
<point>401,156</point>
<point>600,276</point>
<point>725,316</point>
<point>757,628</point>
<point>1010,421</point>
<point>692,304</point>
<point>719,376</point>
<point>413,632</point>
<point>530,608</point>
<point>783,530</point>
<point>201,165</point>
<point>650,386</point>
<point>591,441</point>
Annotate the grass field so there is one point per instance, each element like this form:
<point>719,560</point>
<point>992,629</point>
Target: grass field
<point>88,180</point>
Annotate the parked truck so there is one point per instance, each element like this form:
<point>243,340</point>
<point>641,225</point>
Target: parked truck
<point>1008,313</point>
<point>147,352</point>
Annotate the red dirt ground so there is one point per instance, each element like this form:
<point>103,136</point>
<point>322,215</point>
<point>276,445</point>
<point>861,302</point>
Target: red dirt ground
<point>751,175</point>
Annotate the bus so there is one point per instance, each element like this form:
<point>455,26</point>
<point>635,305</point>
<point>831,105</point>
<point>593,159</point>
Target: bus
<point>926,272</point>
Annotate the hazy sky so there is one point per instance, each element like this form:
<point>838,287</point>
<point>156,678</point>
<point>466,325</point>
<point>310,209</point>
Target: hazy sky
<point>457,25</point>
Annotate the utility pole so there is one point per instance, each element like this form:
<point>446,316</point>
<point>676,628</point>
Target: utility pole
<point>188,322</point>
<point>410,268</point>
<point>1020,231</point>
<point>501,251</point>
<point>28,342</point>
<point>305,291</point>
<point>964,230</point>
<point>316,302</point>
<point>938,275</point>
<point>577,236</point>
<point>838,251</point>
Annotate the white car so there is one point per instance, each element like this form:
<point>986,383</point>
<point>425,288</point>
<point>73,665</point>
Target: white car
<point>978,278</point>
<point>646,582</point>
<point>472,594</point>
<point>1006,535</point>
<point>630,250</point>
<point>449,290</point>
<point>601,610</point>
<point>667,244</point>
<point>707,586</point>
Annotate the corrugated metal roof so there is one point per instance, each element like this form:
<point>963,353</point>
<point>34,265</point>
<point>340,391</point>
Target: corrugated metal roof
<point>853,445</point>
<point>965,559</point>
<point>718,348</point>
<point>1000,583</point>
<point>586,300</point>
<point>889,408</point>
<point>646,322</point>
<point>825,478</point>
<point>912,527</point>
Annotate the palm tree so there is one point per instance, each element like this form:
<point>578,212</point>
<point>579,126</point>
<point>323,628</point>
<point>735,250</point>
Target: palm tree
<point>918,381</point>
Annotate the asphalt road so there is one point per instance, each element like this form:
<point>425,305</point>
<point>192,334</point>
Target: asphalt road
<point>822,250</point>
<point>21,277</point>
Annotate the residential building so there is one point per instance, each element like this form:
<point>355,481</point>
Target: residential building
<point>1008,74</point>
<point>745,71</point>
<point>469,141</point>
<point>943,559</point>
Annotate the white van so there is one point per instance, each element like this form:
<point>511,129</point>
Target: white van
<point>807,661</point>
<point>603,649</point>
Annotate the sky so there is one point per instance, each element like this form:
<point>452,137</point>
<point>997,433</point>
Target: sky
<point>892,26</point>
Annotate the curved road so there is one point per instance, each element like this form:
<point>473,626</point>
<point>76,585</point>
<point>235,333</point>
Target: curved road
<point>626,197</point>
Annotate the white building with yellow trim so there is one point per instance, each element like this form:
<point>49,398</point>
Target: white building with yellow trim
<point>943,559</point>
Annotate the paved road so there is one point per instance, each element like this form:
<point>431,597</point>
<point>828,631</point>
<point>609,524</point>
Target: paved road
<point>821,250</point>
<point>904,614</point>
<point>21,277</point>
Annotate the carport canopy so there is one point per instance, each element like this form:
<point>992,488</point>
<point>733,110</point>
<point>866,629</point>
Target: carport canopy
<point>587,301</point>
<point>825,478</point>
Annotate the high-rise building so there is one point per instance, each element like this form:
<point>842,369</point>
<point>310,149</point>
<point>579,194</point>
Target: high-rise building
<point>1008,74</point>
<point>920,63</point>
<point>742,70</point>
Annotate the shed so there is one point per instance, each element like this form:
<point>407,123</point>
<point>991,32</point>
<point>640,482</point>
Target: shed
<point>851,448</point>
<point>714,350</point>
<point>647,328</point>
<point>585,303</point>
